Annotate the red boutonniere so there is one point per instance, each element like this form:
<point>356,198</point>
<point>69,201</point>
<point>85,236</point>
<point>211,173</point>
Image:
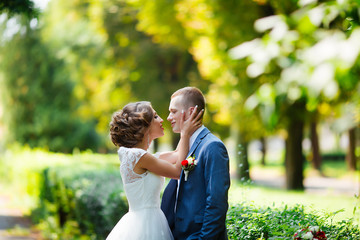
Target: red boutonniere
<point>187,165</point>
<point>312,232</point>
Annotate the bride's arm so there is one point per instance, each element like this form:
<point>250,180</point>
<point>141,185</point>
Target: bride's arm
<point>166,168</point>
<point>170,156</point>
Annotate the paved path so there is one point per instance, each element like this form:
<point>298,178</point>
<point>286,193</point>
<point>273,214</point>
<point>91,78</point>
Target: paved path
<point>313,184</point>
<point>13,225</point>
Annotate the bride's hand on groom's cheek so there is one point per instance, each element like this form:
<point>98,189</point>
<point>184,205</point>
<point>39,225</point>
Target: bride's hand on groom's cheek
<point>193,122</point>
<point>196,115</point>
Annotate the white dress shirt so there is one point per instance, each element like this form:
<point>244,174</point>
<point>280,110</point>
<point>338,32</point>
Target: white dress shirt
<point>195,135</point>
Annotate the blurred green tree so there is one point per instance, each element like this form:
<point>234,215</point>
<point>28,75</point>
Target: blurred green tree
<point>111,62</point>
<point>153,71</point>
<point>107,61</point>
<point>72,32</point>
<point>16,7</point>
<point>38,100</point>
<point>241,97</point>
<point>310,61</point>
<point>208,29</point>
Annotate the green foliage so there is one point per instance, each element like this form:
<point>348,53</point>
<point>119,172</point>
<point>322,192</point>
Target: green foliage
<point>38,100</point>
<point>79,193</point>
<point>162,68</point>
<point>13,7</point>
<point>249,222</point>
<point>21,168</point>
<point>111,62</point>
<point>91,199</point>
<point>304,64</point>
<point>81,45</point>
<point>285,77</point>
<point>208,29</point>
<point>293,63</point>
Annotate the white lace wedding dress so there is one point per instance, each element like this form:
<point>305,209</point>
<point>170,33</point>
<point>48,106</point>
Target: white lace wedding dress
<point>145,220</point>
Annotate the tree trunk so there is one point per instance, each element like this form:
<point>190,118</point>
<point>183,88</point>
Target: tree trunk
<point>316,157</point>
<point>293,156</point>
<point>242,169</point>
<point>350,156</point>
<point>263,150</point>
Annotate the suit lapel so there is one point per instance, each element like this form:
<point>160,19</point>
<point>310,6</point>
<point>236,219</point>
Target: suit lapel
<point>193,148</point>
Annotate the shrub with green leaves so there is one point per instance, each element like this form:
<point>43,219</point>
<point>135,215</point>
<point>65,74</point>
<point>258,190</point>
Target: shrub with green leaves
<point>90,199</point>
<point>248,222</point>
<point>80,196</point>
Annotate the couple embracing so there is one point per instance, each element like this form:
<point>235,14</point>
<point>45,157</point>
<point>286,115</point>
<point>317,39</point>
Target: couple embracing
<point>193,206</point>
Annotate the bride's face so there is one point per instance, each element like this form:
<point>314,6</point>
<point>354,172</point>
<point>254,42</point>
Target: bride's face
<point>156,128</point>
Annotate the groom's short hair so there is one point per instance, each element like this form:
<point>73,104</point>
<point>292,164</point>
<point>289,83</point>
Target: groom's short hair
<point>191,96</point>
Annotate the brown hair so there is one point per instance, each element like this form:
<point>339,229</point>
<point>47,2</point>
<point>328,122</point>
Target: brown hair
<point>191,96</point>
<point>128,126</point>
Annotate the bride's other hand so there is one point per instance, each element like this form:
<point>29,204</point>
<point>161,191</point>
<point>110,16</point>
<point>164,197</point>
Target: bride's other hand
<point>189,126</point>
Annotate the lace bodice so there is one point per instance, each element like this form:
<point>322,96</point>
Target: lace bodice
<point>142,190</point>
<point>145,220</point>
<point>129,157</point>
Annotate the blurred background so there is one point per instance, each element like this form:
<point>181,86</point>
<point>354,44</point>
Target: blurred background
<point>281,78</point>
<point>287,70</point>
<point>273,72</point>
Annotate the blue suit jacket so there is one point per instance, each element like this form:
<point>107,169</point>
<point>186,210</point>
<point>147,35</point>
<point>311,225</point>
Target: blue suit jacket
<point>202,200</point>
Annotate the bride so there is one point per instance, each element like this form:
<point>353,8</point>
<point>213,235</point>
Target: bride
<point>132,129</point>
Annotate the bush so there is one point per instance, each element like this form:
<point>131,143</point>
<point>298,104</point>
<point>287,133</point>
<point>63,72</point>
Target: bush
<point>89,199</point>
<point>333,157</point>
<point>80,196</point>
<point>252,223</point>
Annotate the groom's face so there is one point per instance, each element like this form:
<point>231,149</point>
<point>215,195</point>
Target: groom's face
<point>175,108</point>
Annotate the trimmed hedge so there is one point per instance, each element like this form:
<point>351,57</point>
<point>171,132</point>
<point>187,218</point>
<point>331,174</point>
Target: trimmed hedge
<point>80,196</point>
<point>251,223</point>
<point>80,201</point>
<point>85,202</point>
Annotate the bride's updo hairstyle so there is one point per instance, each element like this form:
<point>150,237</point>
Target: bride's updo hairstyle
<point>128,126</point>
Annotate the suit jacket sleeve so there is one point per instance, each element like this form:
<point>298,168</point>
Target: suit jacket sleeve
<point>217,179</point>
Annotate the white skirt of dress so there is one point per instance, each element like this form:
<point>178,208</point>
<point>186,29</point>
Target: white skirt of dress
<point>144,224</point>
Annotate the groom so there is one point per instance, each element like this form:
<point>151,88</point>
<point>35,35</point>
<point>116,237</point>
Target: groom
<point>196,208</point>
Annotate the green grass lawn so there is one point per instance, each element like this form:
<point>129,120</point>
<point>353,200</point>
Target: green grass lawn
<point>268,197</point>
<point>324,203</point>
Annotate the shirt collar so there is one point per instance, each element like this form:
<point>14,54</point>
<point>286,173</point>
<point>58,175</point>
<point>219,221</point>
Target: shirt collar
<point>195,135</point>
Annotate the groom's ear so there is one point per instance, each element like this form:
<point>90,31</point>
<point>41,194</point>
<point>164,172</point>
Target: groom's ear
<point>191,109</point>
<point>188,112</point>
